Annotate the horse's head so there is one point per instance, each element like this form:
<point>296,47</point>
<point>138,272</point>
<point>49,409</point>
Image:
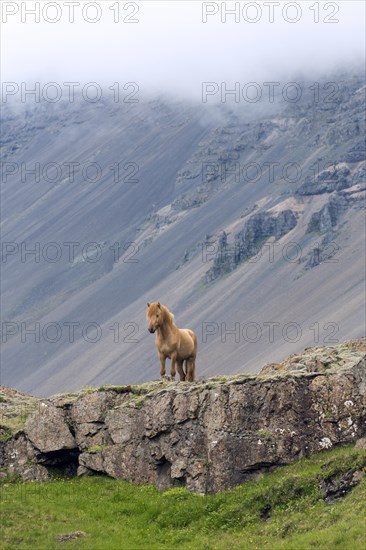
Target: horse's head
<point>154,315</point>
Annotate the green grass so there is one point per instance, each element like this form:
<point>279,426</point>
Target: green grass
<point>96,449</point>
<point>5,434</point>
<point>282,510</point>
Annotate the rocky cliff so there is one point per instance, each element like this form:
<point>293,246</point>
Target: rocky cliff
<point>207,436</point>
<point>249,240</point>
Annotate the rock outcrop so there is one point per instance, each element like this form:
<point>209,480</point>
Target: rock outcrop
<point>335,178</point>
<point>207,436</point>
<point>328,217</point>
<point>248,242</point>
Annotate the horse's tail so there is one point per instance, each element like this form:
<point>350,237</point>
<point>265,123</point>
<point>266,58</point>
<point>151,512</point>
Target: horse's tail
<point>191,363</point>
<point>194,338</point>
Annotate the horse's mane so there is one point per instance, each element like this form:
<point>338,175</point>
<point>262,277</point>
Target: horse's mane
<point>167,315</point>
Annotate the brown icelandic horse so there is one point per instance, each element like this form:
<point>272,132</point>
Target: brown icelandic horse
<point>180,345</point>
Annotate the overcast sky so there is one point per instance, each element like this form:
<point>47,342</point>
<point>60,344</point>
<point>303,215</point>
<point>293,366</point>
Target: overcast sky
<point>170,49</point>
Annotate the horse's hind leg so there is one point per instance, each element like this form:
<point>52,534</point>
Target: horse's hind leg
<point>180,370</point>
<point>191,367</point>
<point>175,362</point>
<point>188,368</point>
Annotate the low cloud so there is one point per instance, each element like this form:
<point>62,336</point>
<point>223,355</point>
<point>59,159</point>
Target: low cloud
<point>173,47</point>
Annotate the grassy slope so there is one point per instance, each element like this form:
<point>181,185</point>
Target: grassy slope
<point>118,515</point>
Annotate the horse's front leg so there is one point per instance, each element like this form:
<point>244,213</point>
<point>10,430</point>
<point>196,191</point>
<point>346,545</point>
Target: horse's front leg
<point>162,365</point>
<point>172,365</point>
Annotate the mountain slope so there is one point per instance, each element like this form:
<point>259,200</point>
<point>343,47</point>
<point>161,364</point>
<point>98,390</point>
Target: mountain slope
<point>201,229</point>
